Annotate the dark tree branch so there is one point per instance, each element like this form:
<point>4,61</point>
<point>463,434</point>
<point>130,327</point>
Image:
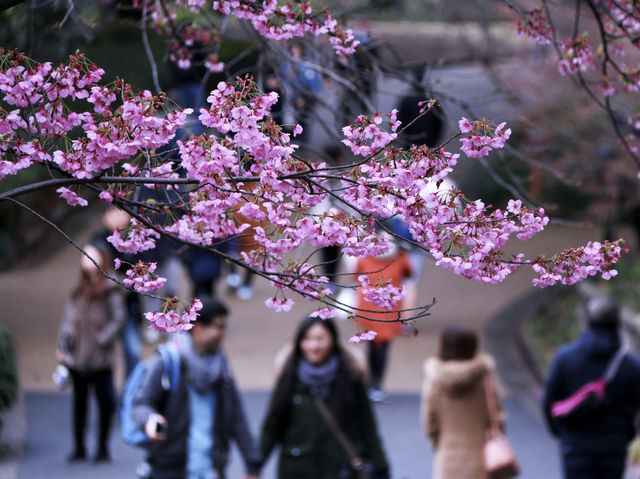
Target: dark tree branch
<point>7,4</point>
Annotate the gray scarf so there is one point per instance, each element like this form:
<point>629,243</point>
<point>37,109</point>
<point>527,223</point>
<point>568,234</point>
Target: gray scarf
<point>318,378</point>
<point>203,371</point>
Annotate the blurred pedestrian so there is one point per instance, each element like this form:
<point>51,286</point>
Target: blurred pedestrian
<point>114,218</point>
<point>192,426</point>
<point>205,267</point>
<point>92,320</point>
<point>393,266</point>
<point>425,130</point>
<point>320,403</point>
<point>244,243</point>
<point>302,85</point>
<point>455,404</point>
<point>595,448</point>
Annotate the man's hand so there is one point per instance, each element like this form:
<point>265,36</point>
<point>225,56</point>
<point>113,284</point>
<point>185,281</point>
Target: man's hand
<point>60,356</point>
<point>155,427</point>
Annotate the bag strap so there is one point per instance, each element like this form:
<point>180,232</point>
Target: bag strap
<point>614,364</point>
<point>492,405</point>
<point>171,362</point>
<point>356,461</point>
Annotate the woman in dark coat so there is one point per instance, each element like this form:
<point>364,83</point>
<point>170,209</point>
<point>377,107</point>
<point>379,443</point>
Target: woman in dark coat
<point>318,366</point>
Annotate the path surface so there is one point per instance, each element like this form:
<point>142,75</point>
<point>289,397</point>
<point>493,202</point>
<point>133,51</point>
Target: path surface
<point>408,450</point>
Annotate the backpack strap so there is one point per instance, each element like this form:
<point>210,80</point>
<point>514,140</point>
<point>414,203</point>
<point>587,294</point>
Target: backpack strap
<point>171,361</point>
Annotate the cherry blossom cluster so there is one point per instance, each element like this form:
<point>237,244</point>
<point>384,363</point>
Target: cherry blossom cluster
<point>141,277</point>
<point>384,294</point>
<point>577,55</point>
<point>577,264</point>
<point>137,238</point>
<point>289,21</point>
<point>324,313</point>
<point>268,18</point>
<point>279,304</point>
<point>366,137</point>
<point>71,197</point>
<point>535,25</point>
<point>182,38</point>
<point>170,320</point>
<point>599,45</point>
<point>247,180</point>
<point>37,115</point>
<point>45,106</point>
<point>622,16</point>
<point>363,337</point>
<point>483,137</point>
<point>469,239</point>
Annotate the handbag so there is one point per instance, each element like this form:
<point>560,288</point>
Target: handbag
<point>632,465</point>
<point>499,460</point>
<point>362,468</point>
<point>588,401</point>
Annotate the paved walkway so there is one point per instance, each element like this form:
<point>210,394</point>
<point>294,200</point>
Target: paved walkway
<point>408,450</point>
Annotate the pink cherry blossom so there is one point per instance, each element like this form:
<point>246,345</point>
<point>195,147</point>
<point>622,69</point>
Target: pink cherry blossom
<point>141,277</point>
<point>279,305</point>
<point>363,337</point>
<point>169,320</point>
<point>71,198</point>
<point>324,313</point>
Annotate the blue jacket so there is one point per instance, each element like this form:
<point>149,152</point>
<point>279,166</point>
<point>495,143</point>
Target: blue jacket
<point>580,362</point>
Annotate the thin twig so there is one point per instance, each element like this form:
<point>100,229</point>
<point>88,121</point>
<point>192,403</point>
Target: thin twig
<point>147,49</point>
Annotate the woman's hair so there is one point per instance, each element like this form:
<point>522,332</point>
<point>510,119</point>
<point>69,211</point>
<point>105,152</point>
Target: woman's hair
<point>341,397</point>
<point>305,325</point>
<point>93,285</point>
<point>458,343</point>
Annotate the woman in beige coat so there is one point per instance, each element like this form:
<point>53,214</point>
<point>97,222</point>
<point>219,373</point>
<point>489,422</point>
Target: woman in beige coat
<point>91,323</point>
<point>454,406</point>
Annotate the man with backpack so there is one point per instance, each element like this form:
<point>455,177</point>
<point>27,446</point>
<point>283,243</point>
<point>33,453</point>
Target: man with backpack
<point>191,422</point>
<point>594,445</point>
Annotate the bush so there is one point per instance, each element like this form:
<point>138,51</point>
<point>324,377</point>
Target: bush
<point>8,370</point>
<point>553,323</point>
<point>624,287</point>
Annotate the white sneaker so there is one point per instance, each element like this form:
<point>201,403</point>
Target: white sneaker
<point>378,395</point>
<point>233,280</point>
<point>245,292</point>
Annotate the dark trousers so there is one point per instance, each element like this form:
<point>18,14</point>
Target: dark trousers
<point>101,382</point>
<point>378,353</point>
<point>593,466</point>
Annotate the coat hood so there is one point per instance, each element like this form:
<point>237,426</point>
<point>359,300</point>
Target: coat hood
<point>457,378</point>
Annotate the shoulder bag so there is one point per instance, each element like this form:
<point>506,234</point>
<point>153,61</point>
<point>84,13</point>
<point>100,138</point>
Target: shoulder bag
<point>499,460</point>
<point>588,401</point>
<point>362,469</point>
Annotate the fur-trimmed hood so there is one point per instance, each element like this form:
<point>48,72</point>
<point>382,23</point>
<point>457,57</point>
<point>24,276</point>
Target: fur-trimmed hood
<point>457,378</point>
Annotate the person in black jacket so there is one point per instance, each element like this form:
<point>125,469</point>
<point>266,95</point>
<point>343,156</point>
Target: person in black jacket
<point>595,448</point>
<point>425,130</point>
<point>310,448</point>
<point>184,448</point>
